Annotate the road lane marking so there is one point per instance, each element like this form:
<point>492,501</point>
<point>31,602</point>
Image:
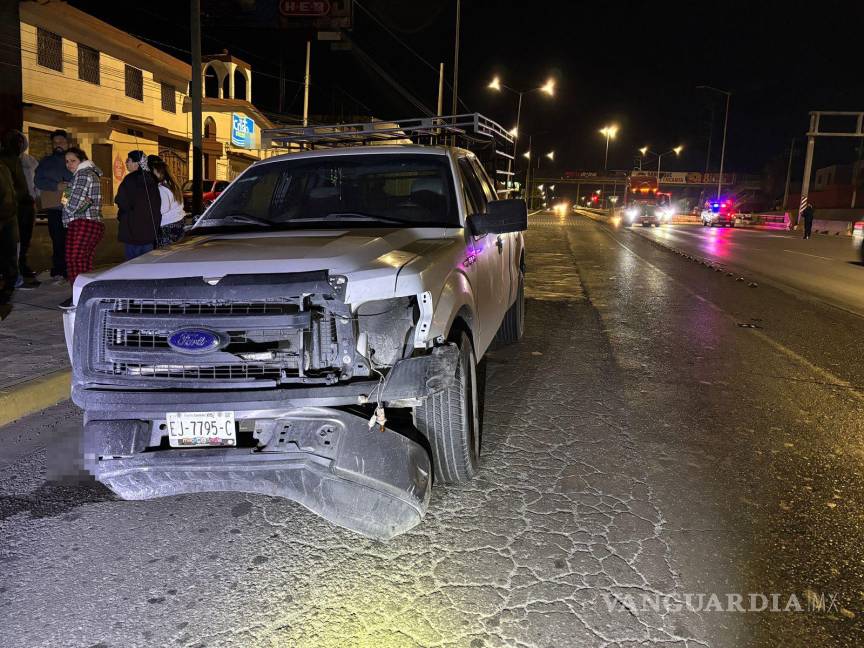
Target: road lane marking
<point>826,375</point>
<point>815,256</point>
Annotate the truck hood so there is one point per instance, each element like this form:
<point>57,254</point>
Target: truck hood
<point>371,259</point>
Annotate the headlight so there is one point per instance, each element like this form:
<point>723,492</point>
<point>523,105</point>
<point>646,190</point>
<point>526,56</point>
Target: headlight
<point>632,213</point>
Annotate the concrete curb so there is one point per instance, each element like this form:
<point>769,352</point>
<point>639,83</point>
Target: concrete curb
<point>33,395</point>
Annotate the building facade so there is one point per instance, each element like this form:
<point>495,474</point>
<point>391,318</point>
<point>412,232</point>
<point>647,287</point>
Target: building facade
<point>114,93</point>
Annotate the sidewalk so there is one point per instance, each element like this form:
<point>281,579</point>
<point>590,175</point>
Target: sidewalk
<point>35,371</point>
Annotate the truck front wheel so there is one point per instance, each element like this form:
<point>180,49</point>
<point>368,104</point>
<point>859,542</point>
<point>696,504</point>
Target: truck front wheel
<point>513,326</point>
<point>450,420</point>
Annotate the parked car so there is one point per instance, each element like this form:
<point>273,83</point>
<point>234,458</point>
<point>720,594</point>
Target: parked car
<point>718,213</point>
<point>212,189</point>
<point>858,238</point>
<point>321,292</point>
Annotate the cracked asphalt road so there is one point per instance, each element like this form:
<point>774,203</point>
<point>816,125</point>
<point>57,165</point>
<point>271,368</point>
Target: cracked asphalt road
<point>639,442</point>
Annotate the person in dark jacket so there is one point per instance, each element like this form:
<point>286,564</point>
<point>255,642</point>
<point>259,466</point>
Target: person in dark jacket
<point>807,215</point>
<point>139,206</point>
<point>8,236</point>
<point>12,144</point>
<point>51,179</point>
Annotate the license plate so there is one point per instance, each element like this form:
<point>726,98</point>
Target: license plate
<point>186,429</point>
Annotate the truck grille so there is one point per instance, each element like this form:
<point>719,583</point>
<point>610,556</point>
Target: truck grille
<point>266,340</point>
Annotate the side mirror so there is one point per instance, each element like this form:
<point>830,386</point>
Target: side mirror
<point>501,217</point>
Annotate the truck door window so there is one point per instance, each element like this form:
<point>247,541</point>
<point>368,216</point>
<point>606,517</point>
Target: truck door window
<point>472,185</point>
<point>485,182</point>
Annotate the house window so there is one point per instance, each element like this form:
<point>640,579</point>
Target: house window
<point>50,49</point>
<point>88,64</point>
<point>134,83</point>
<point>169,102</point>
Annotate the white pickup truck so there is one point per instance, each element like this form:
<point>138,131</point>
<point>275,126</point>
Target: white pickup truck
<point>319,296</point>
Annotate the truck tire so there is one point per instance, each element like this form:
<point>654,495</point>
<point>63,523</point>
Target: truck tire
<point>450,420</point>
<point>513,325</point>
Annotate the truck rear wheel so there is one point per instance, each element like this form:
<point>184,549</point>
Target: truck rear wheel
<point>450,420</point>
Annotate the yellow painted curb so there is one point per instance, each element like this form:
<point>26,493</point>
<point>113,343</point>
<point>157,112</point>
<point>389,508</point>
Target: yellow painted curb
<point>33,395</point>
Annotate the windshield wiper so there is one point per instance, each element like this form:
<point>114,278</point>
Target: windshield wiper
<point>358,216</point>
<point>243,218</point>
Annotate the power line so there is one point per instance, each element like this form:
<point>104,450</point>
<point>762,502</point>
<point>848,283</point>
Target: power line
<point>368,60</point>
<point>408,47</point>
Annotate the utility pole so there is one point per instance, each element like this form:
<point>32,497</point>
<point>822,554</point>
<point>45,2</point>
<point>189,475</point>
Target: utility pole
<point>11,106</point>
<point>528,174</point>
<point>856,180</point>
<point>788,175</point>
<point>456,59</point>
<point>281,76</point>
<point>306,81</point>
<point>197,88</point>
<point>440,89</point>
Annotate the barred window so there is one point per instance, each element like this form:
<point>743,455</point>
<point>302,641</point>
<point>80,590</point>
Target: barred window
<point>134,83</point>
<point>169,102</point>
<point>88,64</point>
<point>50,49</point>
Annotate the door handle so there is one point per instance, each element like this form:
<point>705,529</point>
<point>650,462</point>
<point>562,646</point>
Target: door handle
<point>500,243</point>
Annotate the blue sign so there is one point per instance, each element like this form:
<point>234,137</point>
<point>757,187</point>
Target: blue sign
<point>195,341</point>
<point>242,131</point>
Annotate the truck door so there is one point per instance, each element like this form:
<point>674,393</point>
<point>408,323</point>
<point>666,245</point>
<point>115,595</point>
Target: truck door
<point>507,249</point>
<point>489,263</point>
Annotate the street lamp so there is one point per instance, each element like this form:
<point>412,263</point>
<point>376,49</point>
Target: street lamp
<point>643,151</point>
<point>609,132</point>
<point>547,88</point>
<point>725,124</point>
<point>677,151</point>
<point>551,156</point>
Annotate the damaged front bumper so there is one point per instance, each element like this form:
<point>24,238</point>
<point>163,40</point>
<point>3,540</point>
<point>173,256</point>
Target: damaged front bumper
<point>372,482</point>
<point>410,379</point>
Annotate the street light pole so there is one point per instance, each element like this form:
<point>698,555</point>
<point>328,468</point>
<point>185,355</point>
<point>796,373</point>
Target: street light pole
<point>677,151</point>
<point>606,158</point>
<point>516,136</point>
<point>610,132</point>
<point>723,147</point>
<point>495,84</point>
<point>725,125</point>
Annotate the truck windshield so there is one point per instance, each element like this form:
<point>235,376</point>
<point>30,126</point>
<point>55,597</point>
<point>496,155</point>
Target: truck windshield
<point>360,190</point>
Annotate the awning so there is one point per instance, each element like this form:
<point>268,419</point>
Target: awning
<point>242,155</point>
<point>121,121</point>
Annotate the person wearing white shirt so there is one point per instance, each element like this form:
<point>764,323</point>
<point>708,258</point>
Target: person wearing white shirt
<point>172,228</point>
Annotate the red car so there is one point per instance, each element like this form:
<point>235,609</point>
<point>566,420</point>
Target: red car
<point>212,188</point>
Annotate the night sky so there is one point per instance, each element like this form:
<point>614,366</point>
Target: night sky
<point>634,64</point>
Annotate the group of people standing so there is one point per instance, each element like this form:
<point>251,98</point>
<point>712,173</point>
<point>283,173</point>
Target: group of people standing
<point>149,208</point>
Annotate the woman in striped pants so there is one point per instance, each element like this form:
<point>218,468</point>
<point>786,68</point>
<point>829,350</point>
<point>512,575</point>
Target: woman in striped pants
<point>82,215</point>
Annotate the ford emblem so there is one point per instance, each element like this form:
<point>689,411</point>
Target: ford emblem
<point>195,341</point>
